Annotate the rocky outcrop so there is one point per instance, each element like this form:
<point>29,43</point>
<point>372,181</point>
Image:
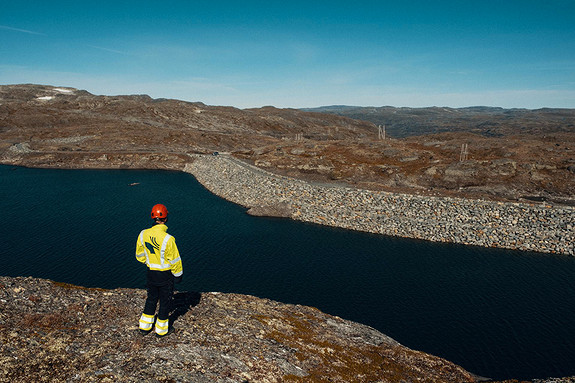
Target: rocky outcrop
<point>532,227</point>
<point>54,332</point>
<point>280,210</point>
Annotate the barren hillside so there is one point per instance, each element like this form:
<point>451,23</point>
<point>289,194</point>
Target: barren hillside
<point>65,127</point>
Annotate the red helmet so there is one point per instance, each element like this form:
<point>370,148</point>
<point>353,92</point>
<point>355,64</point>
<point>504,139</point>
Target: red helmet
<point>159,211</point>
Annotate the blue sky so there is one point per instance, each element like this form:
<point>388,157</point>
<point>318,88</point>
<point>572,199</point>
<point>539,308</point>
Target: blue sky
<point>298,53</point>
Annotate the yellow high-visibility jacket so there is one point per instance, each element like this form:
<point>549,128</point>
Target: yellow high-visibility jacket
<point>157,249</point>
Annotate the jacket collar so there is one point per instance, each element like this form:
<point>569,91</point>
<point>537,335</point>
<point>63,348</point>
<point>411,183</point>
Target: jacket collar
<point>160,227</point>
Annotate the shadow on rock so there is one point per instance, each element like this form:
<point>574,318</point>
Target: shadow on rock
<point>182,302</point>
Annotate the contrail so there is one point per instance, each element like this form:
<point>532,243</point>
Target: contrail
<point>7,28</point>
<point>21,30</point>
<point>108,50</point>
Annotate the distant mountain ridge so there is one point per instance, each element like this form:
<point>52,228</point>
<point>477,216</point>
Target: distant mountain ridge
<point>401,122</point>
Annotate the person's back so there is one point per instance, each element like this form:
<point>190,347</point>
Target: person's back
<point>157,249</point>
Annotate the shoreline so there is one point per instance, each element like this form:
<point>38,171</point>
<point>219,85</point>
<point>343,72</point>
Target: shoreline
<point>535,227</point>
<point>231,168</point>
<point>517,226</point>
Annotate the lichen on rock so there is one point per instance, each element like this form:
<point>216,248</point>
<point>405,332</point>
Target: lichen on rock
<point>58,332</point>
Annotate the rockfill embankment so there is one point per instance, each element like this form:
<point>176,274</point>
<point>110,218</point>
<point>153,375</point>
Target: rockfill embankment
<point>521,226</point>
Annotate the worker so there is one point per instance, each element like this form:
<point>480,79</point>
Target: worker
<point>157,249</point>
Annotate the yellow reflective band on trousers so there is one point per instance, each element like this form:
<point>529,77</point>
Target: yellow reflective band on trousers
<point>162,326</point>
<point>146,322</point>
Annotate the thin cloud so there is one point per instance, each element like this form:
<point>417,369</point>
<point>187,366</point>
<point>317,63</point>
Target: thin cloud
<point>109,50</point>
<point>5,27</point>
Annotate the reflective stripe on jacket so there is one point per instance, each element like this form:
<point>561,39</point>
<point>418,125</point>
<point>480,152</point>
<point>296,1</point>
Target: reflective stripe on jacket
<point>157,249</point>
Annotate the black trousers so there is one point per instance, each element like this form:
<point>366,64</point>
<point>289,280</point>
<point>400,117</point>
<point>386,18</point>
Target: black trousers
<point>160,288</point>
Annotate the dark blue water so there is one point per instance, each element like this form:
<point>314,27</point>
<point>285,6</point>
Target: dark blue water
<point>500,314</point>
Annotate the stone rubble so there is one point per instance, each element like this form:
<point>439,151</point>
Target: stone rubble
<point>521,226</point>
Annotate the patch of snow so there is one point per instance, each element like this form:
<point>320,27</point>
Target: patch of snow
<point>45,98</point>
<point>62,90</point>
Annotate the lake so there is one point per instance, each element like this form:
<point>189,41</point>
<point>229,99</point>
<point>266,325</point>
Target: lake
<point>498,313</point>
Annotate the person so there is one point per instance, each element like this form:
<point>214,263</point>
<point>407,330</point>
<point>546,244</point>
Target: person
<point>157,249</point>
